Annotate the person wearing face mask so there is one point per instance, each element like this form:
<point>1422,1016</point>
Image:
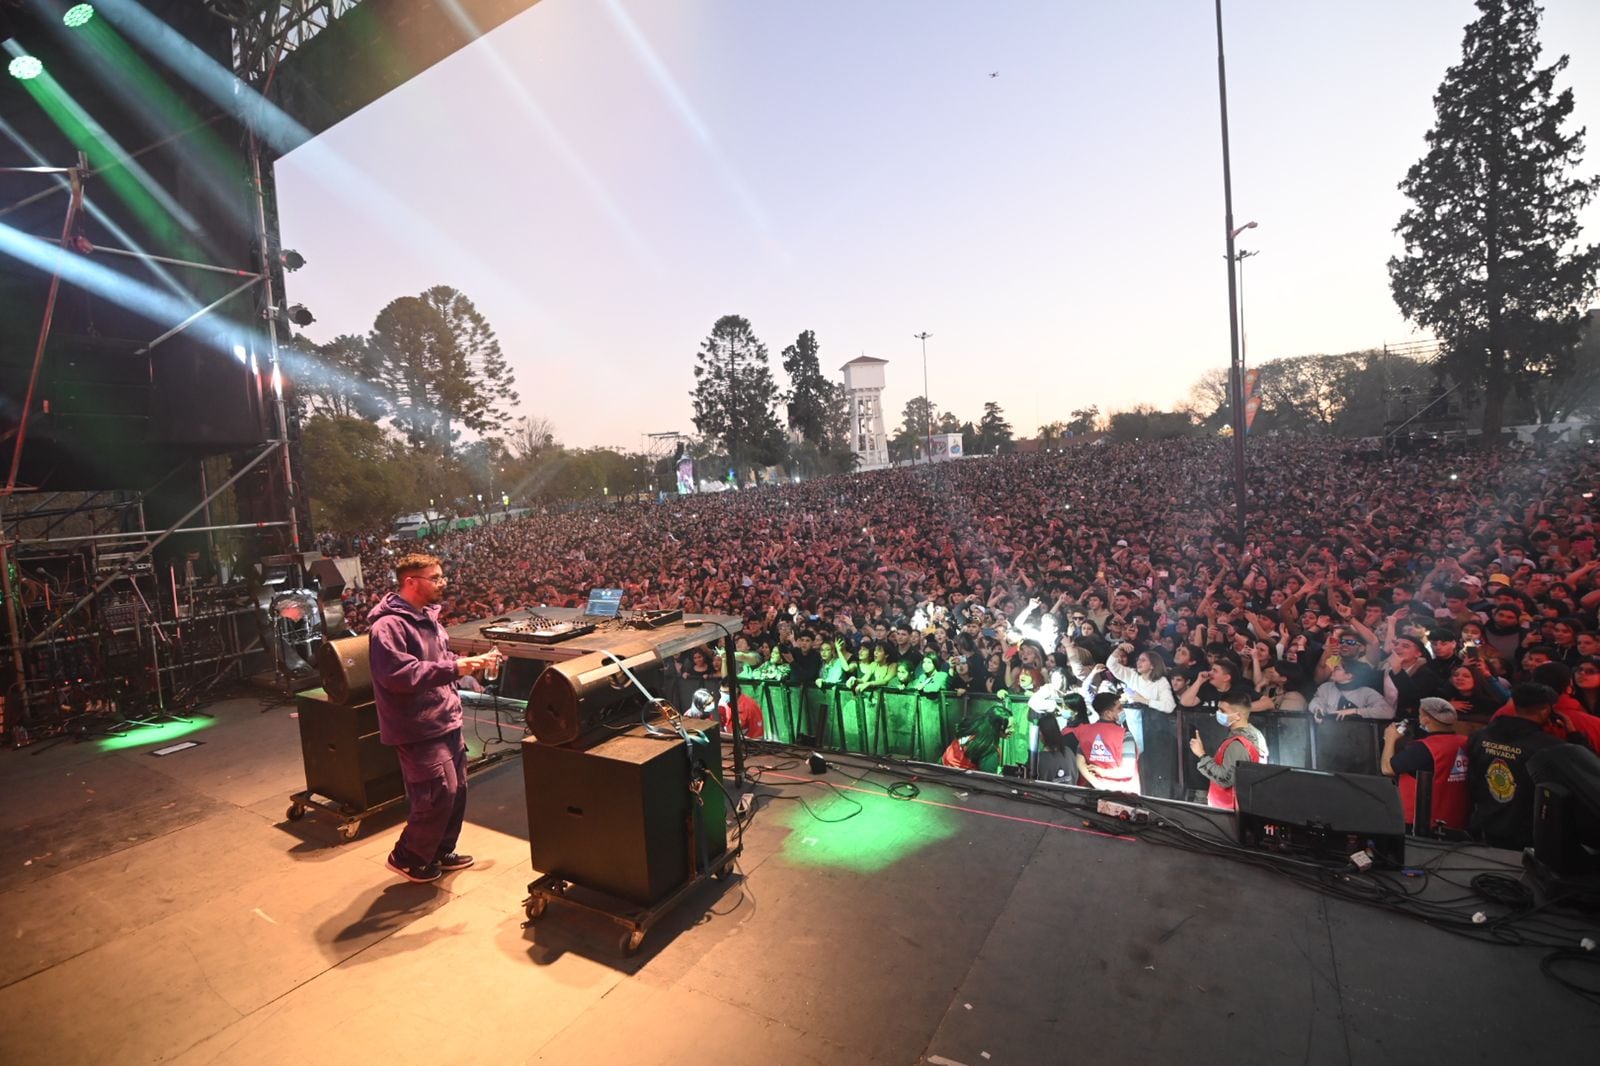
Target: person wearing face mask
<point>1244,743</point>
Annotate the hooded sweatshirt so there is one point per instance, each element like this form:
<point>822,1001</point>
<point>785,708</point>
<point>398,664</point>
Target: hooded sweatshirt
<point>413,672</point>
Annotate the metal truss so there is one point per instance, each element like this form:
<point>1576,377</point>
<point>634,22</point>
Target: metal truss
<point>264,31</point>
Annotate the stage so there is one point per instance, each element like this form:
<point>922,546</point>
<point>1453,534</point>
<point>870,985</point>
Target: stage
<point>164,909</point>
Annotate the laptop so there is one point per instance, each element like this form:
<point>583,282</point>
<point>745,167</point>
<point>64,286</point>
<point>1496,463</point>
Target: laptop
<point>603,603</point>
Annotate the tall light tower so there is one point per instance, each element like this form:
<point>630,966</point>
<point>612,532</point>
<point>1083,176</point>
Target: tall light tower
<point>927,405</point>
<point>1236,367</point>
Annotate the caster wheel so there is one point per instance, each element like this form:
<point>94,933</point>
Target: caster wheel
<point>535,908</point>
<point>296,812</point>
<point>724,873</point>
<point>629,942</point>
<point>349,830</point>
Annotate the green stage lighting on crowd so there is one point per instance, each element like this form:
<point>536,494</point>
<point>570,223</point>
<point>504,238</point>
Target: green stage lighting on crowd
<point>25,68</point>
<point>77,15</point>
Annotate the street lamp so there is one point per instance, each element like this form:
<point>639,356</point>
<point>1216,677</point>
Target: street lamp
<point>927,407</point>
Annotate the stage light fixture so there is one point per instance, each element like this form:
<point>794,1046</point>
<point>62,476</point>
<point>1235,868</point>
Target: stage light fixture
<point>292,260</point>
<point>25,68</point>
<point>300,316</point>
<point>77,15</point>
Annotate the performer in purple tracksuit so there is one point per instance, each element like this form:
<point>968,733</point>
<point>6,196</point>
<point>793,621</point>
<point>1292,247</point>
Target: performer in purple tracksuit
<point>414,675</point>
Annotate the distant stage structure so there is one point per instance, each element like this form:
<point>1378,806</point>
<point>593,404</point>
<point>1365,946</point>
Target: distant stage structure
<point>863,383</point>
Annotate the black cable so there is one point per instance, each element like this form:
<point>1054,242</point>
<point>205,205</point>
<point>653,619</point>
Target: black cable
<point>1506,891</point>
<point>1565,956</point>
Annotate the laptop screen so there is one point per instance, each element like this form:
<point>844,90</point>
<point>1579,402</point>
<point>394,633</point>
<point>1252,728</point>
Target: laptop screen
<point>604,603</point>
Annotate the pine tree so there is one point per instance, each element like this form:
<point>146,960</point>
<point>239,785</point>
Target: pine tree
<point>420,370</point>
<point>812,398</point>
<point>490,386</point>
<point>734,395</point>
<point>1491,263</point>
<point>994,432</point>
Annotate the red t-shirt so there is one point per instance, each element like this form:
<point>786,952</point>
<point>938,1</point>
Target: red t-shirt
<point>749,719</point>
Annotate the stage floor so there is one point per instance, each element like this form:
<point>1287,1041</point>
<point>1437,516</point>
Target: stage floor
<point>164,910</point>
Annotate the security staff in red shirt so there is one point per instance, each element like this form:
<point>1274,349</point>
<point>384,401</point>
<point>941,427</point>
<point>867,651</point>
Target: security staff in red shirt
<point>1244,743</point>
<point>1440,751</point>
<point>1108,757</point>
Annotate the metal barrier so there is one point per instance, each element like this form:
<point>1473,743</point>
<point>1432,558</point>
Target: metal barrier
<point>913,725</point>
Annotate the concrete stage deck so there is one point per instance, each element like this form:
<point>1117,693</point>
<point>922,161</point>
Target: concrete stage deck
<point>163,910</point>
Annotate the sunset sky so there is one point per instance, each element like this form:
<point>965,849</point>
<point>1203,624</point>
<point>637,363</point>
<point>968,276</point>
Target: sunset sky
<point>606,179</point>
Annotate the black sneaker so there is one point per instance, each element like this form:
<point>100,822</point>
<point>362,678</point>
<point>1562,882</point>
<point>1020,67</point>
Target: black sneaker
<point>420,874</point>
<point>453,861</point>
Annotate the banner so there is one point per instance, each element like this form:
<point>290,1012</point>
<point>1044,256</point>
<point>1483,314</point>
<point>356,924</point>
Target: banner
<point>942,446</point>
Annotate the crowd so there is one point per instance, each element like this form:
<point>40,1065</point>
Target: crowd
<point>1106,587</point>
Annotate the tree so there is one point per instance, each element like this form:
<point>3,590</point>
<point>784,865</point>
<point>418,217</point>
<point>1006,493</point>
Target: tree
<point>916,419</point>
<point>1574,387</point>
<point>357,473</point>
<point>811,396</point>
<point>734,395</point>
<point>971,442</point>
<point>947,422</point>
<point>1208,396</point>
<point>1302,392</point>
<point>1146,423</point>
<point>1491,261</point>
<point>439,366</point>
<point>1083,421</point>
<point>994,432</point>
<point>420,371</point>
<point>490,386</point>
<point>532,436</point>
<point>338,378</point>
<point>1051,433</point>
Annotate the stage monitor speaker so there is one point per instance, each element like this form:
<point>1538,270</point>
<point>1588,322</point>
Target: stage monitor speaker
<point>346,671</point>
<point>1328,815</point>
<point>616,817</point>
<point>572,699</point>
<point>325,574</point>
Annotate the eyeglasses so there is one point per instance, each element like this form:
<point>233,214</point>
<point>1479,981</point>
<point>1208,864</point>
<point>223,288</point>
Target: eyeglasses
<point>1350,643</point>
<point>436,579</point>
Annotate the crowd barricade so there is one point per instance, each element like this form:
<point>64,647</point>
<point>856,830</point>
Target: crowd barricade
<point>914,725</point>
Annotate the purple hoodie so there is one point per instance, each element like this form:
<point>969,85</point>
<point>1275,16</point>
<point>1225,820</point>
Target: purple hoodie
<point>413,672</point>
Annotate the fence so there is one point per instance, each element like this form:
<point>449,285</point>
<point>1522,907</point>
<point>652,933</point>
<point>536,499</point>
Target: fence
<point>912,725</point>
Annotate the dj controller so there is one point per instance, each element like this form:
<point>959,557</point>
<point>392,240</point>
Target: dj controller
<point>535,629</point>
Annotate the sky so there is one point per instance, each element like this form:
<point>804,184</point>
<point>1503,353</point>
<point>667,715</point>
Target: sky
<point>605,179</point>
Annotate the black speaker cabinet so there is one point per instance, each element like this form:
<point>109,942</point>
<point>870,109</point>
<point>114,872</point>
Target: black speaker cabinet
<point>344,759</point>
<point>1285,808</point>
<point>346,670</point>
<point>615,817</point>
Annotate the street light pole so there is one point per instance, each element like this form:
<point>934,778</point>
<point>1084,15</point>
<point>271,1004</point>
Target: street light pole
<point>1244,334</point>
<point>1235,364</point>
<point>927,407</point>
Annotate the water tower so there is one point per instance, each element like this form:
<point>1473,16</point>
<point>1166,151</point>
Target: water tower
<point>863,384</point>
